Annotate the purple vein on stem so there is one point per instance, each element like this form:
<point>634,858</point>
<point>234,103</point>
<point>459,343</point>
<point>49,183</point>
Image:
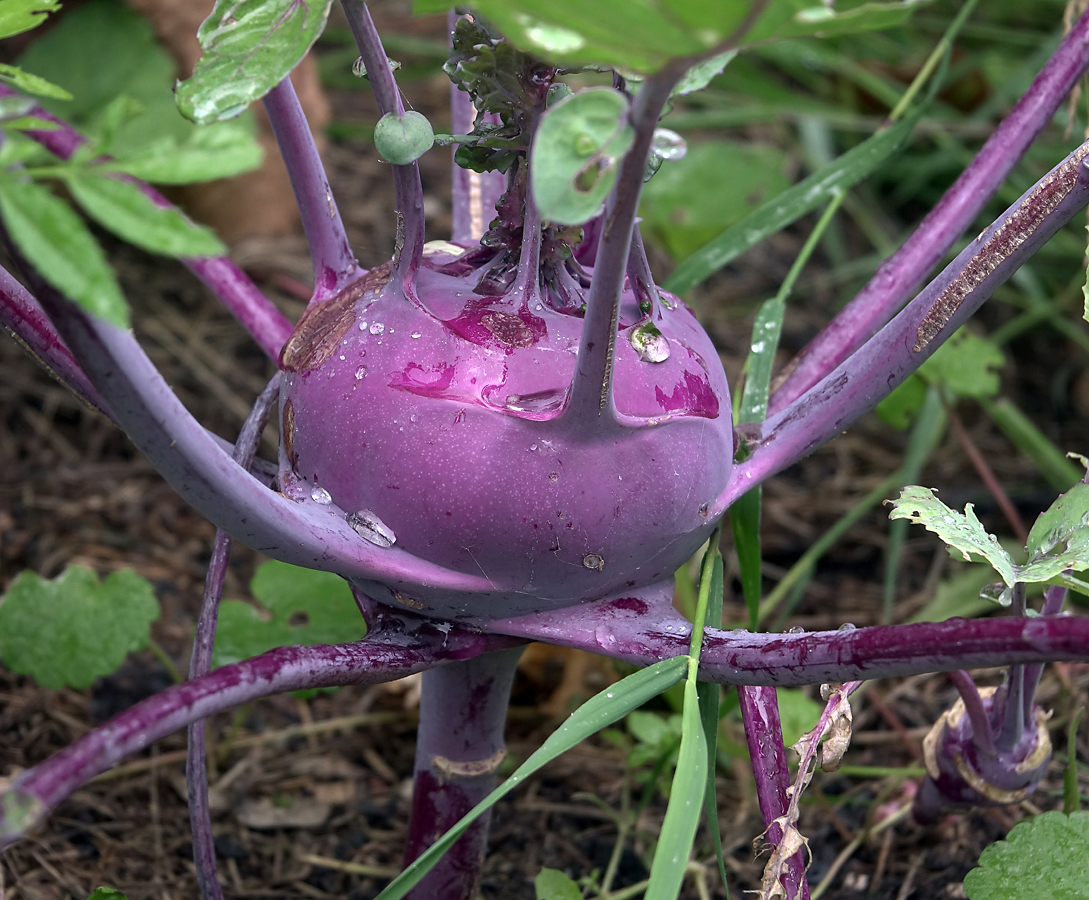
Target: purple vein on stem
<point>406,179</point>
<point>899,275</point>
<point>335,266</point>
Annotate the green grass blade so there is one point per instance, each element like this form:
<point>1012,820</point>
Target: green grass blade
<point>708,695</point>
<point>596,713</point>
<point>1061,473</point>
<point>745,525</point>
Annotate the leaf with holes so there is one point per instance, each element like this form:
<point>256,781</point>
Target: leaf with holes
<point>74,629</point>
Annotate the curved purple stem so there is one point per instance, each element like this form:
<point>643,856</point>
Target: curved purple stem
<point>380,657</point>
<point>1054,599</point>
<point>764,735</point>
<point>301,532</point>
<point>901,273</point>
<point>335,265</point>
<point>871,374</point>
<point>406,179</point>
<point>269,327</point>
<point>982,733</point>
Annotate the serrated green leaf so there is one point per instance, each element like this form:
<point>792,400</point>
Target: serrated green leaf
<point>61,248</point>
<point>598,712</point>
<point>29,83</point>
<point>966,364</point>
<point>899,408</point>
<point>123,208</point>
<point>962,532</point>
<point>1044,857</point>
<point>249,47</point>
<point>552,884</point>
<point>74,629</point>
<point>17,16</point>
<point>304,606</point>
<point>576,154</point>
<point>1065,517</point>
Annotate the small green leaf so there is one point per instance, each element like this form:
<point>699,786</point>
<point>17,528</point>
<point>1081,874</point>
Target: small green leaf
<point>73,629</point>
<point>962,532</point>
<point>966,364</point>
<point>249,47</point>
<point>107,893</point>
<point>61,248</point>
<point>29,83</point>
<point>899,408</point>
<point>576,154</point>
<point>17,16</point>
<point>798,714</point>
<point>552,884</point>
<point>1059,539</point>
<point>304,606</point>
<point>700,75</point>
<point>209,152</point>
<point>1044,857</point>
<point>403,140</point>
<point>123,208</point>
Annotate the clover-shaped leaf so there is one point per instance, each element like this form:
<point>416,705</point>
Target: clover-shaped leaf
<point>303,607</point>
<point>1046,856</point>
<point>74,629</point>
<point>576,154</point>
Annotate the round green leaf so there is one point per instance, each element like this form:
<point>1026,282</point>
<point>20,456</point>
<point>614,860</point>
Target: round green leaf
<point>403,140</point>
<point>576,154</point>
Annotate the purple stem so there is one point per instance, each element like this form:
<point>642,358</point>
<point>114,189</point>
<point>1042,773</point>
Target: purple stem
<point>899,275</point>
<point>335,266</point>
<point>269,327</point>
<point>640,277</point>
<point>871,374</point>
<point>764,734</point>
<point>590,406</point>
<point>301,532</point>
<point>196,771</point>
<point>406,179</point>
<point>973,706</point>
<point>1054,599</point>
<point>1015,696</point>
<point>459,748</point>
<point>642,631</point>
<point>380,657</point>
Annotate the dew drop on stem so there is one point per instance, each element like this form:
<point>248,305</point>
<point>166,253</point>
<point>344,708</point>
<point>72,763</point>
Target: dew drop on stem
<point>371,528</point>
<point>320,495</point>
<point>668,144</point>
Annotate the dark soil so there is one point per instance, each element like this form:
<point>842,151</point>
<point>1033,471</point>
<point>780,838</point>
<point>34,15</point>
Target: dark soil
<point>73,490</point>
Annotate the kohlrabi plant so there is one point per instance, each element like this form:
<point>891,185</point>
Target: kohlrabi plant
<point>517,434</point>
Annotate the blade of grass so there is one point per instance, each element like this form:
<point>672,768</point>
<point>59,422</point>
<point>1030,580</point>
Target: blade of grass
<point>709,695</point>
<point>1060,472</point>
<point>1071,800</point>
<point>596,713</point>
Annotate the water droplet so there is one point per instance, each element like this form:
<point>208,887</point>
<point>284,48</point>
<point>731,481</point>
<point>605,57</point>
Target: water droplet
<point>371,528</point>
<point>415,335</point>
<point>593,561</point>
<point>797,629</point>
<point>412,418</point>
<point>532,446</point>
<point>553,477</point>
<point>847,626</point>
<point>360,373</point>
<point>362,325</point>
<point>359,68</point>
<point>377,328</point>
<point>320,495</point>
<point>668,144</point>
<point>609,695</point>
<point>997,592</point>
<point>342,356</point>
<point>540,402</point>
<point>649,343</point>
<point>704,510</point>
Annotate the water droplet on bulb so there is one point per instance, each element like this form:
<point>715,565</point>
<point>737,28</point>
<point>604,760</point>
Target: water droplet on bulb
<point>377,328</point>
<point>415,335</point>
<point>540,402</point>
<point>412,418</point>
<point>797,629</point>
<point>649,343</point>
<point>847,626</point>
<point>668,144</point>
<point>360,373</point>
<point>532,446</point>
<point>593,561</point>
<point>320,495</point>
<point>554,477</point>
<point>371,528</point>
<point>362,325</point>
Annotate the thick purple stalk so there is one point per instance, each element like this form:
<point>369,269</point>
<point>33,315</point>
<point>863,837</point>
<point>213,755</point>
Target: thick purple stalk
<point>269,327</point>
<point>379,658</point>
<point>643,629</point>
<point>303,532</point>
<point>1054,599</point>
<point>764,735</point>
<point>406,179</point>
<point>973,706</point>
<point>871,374</point>
<point>459,748</point>
<point>591,406</point>
<point>196,773</point>
<point>901,273</point>
<point>335,266</point>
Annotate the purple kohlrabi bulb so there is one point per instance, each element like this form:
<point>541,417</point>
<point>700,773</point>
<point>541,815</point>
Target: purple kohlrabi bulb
<point>963,771</point>
<point>435,419</point>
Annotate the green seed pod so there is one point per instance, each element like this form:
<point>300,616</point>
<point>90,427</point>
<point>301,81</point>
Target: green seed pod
<point>403,140</point>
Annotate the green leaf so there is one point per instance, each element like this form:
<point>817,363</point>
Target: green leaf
<point>700,75</point>
<point>209,152</point>
<point>303,606</point>
<point>552,884</point>
<point>107,893</point>
<point>962,532</point>
<point>966,364</point>
<point>598,712</point>
<point>1044,857</point>
<point>900,407</point>
<point>61,248</point>
<point>123,208</point>
<point>249,47</point>
<point>958,596</point>
<point>74,629</point>
<point>798,714</point>
<point>793,203</point>
<point>403,139</point>
<point>29,83</point>
<point>17,16</point>
<point>576,154</point>
<point>1059,539</point>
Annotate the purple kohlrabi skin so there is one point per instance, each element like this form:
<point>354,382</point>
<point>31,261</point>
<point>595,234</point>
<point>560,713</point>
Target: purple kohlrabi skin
<point>438,420</point>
